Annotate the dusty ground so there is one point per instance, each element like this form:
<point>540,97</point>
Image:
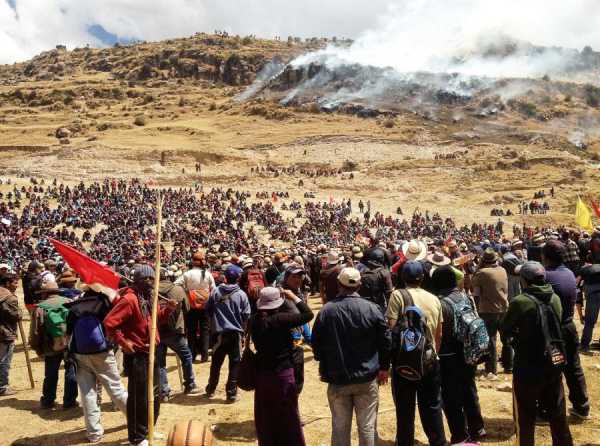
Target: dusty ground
<point>24,424</point>
<point>501,160</point>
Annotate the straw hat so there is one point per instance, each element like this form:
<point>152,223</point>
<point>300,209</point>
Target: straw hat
<point>414,250</point>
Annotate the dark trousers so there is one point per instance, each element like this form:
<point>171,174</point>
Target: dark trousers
<point>177,343</point>
<point>198,333</point>
<point>51,368</point>
<point>573,372</point>
<point>276,413</point>
<point>228,344</point>
<point>429,396</point>
<point>137,399</point>
<point>492,325</point>
<point>545,390</point>
<point>461,401</point>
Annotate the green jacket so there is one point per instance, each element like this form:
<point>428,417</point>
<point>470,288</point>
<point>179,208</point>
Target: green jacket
<point>521,325</point>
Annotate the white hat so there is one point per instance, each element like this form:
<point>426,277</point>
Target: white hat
<point>349,277</point>
<point>4,266</point>
<point>269,299</point>
<point>333,258</point>
<point>414,250</point>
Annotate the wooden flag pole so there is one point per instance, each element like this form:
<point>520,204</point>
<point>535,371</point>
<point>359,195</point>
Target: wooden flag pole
<point>26,350</point>
<point>152,346</point>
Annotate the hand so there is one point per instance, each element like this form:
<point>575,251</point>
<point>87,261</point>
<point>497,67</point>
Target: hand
<point>382,377</point>
<point>127,346</point>
<point>288,294</point>
<point>172,304</point>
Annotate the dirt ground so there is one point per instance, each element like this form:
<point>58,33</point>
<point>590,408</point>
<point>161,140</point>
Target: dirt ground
<point>25,424</point>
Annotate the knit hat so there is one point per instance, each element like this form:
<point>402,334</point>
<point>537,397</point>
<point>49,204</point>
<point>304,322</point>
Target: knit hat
<point>143,272</point>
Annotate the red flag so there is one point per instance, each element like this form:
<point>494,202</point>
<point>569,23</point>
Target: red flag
<point>91,272</point>
<point>595,207</point>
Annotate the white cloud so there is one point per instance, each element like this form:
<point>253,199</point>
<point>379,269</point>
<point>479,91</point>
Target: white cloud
<point>416,30</point>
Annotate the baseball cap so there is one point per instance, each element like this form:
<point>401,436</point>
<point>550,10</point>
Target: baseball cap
<point>532,272</point>
<point>269,299</point>
<point>412,270</point>
<point>233,273</point>
<point>294,268</point>
<point>349,277</point>
<point>333,258</point>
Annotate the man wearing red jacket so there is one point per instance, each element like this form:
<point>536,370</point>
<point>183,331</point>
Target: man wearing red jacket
<point>128,325</point>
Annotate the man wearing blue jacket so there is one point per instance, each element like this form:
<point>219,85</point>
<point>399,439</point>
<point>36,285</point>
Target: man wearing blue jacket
<point>228,309</point>
<point>352,342</point>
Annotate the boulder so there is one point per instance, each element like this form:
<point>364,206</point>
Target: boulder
<point>62,132</point>
<point>65,141</point>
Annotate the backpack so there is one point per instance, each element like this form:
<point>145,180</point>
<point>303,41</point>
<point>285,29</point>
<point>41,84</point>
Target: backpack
<point>372,286</point>
<point>88,331</point>
<point>553,351</point>
<point>414,355</point>
<point>55,325</point>
<point>256,282</point>
<point>469,330</point>
<point>198,298</point>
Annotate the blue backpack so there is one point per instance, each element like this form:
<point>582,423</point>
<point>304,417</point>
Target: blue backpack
<point>414,355</point>
<point>89,335</point>
<point>469,330</point>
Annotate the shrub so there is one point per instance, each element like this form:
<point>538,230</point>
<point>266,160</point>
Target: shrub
<point>389,123</point>
<point>591,95</point>
<point>349,166</point>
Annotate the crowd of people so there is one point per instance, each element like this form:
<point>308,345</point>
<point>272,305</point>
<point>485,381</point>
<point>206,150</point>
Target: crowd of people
<point>420,302</point>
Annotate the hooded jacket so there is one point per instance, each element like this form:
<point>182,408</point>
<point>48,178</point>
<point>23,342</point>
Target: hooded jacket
<point>229,308</point>
<point>521,325</point>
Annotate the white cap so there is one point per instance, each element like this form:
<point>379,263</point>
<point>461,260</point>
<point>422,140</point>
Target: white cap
<point>349,277</point>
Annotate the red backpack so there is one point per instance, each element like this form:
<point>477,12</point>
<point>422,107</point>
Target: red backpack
<point>256,282</point>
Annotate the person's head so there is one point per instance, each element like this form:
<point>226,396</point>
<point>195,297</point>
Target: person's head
<point>10,281</point>
<point>294,276</point>
<point>68,279</point>
<point>348,280</point>
<point>531,273</point>
<point>444,279</point>
<point>553,253</point>
<point>50,265</point>
<point>232,274</point>
<point>333,259</point>
<point>4,268</point>
<point>35,267</point>
<point>198,259</point>
<point>143,279</point>
<point>269,299</point>
<point>412,273</point>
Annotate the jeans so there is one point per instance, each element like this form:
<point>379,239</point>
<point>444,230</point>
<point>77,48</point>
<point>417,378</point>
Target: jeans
<point>461,401</point>
<point>6,354</point>
<point>137,399</point>
<point>51,368</point>
<point>177,343</point>
<point>573,371</point>
<point>429,395</point>
<point>547,392</point>
<point>343,401</point>
<point>492,325</point>
<point>228,344</point>
<point>198,333</point>
<point>100,367</point>
<point>592,309</point>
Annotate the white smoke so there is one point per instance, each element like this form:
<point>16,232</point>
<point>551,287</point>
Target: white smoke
<point>454,35</point>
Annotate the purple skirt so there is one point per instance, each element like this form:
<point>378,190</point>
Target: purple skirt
<point>276,413</point>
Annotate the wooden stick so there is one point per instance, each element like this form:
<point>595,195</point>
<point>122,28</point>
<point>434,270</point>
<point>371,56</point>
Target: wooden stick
<point>152,346</point>
<point>26,350</point>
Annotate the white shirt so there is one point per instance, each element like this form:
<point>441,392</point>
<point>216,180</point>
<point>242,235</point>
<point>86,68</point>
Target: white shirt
<point>196,279</point>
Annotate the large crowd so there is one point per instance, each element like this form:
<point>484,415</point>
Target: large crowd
<point>419,301</point>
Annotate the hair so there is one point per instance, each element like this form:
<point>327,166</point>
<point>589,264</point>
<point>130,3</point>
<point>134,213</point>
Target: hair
<point>444,279</point>
<point>553,252</point>
<point>6,278</point>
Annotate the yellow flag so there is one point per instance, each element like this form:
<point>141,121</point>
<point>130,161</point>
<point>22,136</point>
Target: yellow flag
<point>583,216</point>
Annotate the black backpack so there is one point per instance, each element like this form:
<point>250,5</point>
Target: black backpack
<point>413,353</point>
<point>372,286</point>
<point>553,353</point>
